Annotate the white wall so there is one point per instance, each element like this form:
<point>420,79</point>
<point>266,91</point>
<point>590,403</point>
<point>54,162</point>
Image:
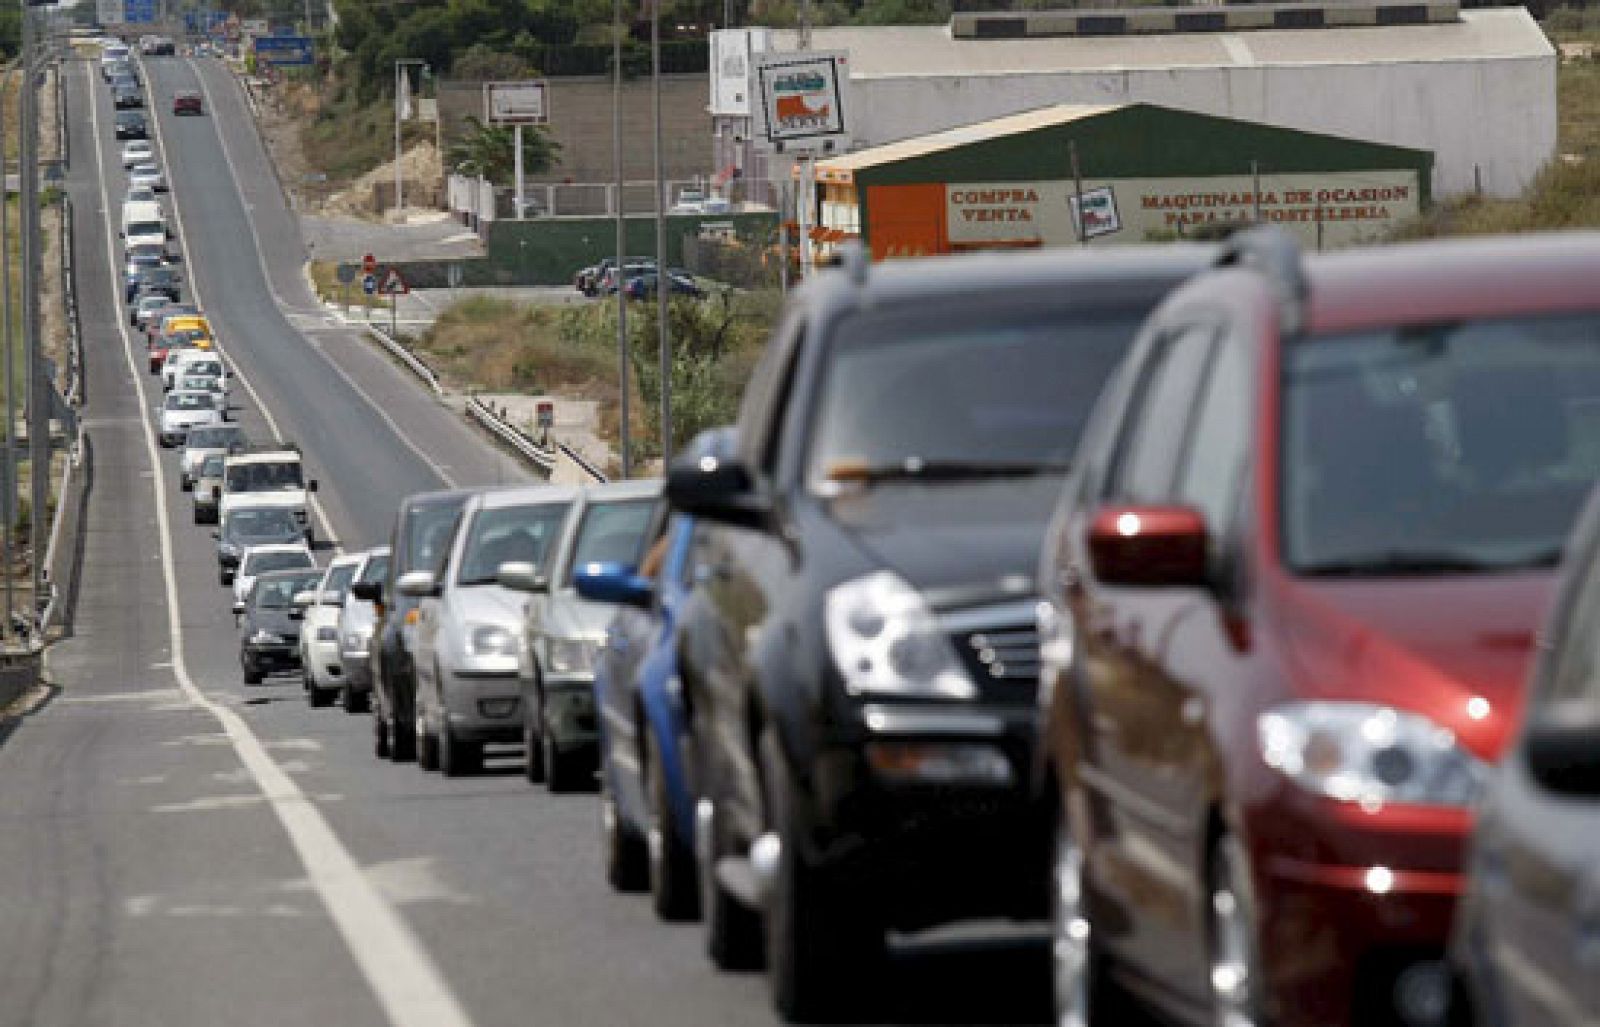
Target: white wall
<point>1495,115</point>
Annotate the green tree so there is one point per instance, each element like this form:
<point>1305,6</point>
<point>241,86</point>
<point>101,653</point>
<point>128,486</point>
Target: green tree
<point>486,151</point>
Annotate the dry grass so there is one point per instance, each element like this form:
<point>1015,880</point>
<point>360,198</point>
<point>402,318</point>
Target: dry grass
<point>502,346</point>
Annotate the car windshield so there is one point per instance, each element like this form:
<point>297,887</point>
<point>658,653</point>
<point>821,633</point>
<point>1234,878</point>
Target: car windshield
<point>430,528</point>
<point>211,467</point>
<point>963,391</point>
<point>190,401</point>
<point>267,523</point>
<point>213,438</point>
<point>147,228</point>
<point>377,569</point>
<point>284,560</point>
<point>514,534</point>
<point>1440,448</point>
<point>206,368</point>
<point>265,477</point>
<point>201,382</point>
<point>279,593</point>
<point>338,579</point>
<point>612,532</point>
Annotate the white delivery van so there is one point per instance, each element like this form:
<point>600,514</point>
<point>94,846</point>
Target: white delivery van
<point>144,224</point>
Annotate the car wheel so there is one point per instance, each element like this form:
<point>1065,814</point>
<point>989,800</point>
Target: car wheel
<point>427,746</point>
<point>184,484</point>
<point>673,888</point>
<point>315,696</point>
<point>402,739</point>
<point>1076,968</point>
<point>821,939</point>
<point>352,701</point>
<point>197,518</point>
<point>565,771</point>
<point>626,868</point>
<point>458,758</point>
<point>252,673</point>
<point>733,930</point>
<point>533,751</point>
<point>380,737</point>
<point>1230,932</point>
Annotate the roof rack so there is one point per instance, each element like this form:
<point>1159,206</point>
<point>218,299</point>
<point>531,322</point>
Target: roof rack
<point>1276,255</point>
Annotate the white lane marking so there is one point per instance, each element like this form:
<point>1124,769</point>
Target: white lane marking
<point>405,980</point>
<point>194,287</point>
<point>284,306</point>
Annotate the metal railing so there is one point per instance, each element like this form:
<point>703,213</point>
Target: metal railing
<point>409,359</point>
<point>63,556</point>
<point>515,438</point>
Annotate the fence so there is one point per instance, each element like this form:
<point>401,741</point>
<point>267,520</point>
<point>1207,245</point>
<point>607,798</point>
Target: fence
<point>476,201</point>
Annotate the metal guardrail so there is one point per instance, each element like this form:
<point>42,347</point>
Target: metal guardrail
<point>63,555</point>
<point>408,358</point>
<point>69,292</point>
<point>512,436</point>
<point>583,464</point>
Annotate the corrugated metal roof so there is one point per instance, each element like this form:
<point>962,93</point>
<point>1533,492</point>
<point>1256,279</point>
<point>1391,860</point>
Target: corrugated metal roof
<point>930,50</point>
<point>843,168</point>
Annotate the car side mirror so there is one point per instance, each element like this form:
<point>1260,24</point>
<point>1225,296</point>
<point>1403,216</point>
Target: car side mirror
<point>1149,546</point>
<point>417,584</point>
<point>1562,748</point>
<point>616,583</point>
<point>368,591</point>
<point>710,481</point>
<point>522,577</point>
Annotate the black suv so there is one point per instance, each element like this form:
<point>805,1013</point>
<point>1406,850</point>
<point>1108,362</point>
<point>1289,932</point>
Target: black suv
<point>269,623</point>
<point>860,659</point>
<point>420,542</point>
<point>131,125</point>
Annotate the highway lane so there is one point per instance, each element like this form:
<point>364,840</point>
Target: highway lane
<point>501,885</point>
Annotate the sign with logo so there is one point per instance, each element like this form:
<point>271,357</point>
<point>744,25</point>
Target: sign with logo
<point>1096,212</point>
<point>800,101</point>
<point>730,68</point>
<point>284,51</point>
<point>515,103</point>
<point>392,283</point>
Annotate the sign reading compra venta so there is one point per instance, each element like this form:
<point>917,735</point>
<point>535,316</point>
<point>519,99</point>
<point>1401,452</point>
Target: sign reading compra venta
<point>1348,207</point>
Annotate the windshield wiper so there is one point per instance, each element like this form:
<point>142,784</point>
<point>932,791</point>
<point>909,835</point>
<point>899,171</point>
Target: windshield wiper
<point>1423,562</point>
<point>917,469</point>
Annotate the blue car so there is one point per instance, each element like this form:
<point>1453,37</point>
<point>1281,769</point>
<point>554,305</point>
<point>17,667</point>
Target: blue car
<point>647,796</point>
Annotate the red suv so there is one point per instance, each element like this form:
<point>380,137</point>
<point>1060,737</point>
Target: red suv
<point>1290,602</point>
<point>187,102</point>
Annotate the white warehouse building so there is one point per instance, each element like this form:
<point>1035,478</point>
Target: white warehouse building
<point>1477,88</point>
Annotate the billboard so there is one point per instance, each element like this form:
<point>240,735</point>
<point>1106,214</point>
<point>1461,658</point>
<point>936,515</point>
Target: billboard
<point>730,68</point>
<point>284,50</point>
<point>516,103</point>
<point>800,101</point>
<point>139,12</point>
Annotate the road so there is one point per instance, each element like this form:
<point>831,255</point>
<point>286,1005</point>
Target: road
<point>176,848</point>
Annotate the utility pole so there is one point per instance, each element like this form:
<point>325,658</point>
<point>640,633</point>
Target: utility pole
<point>663,282</point>
<point>622,232</point>
<point>1077,194</point>
<point>8,507</point>
<point>1255,188</point>
<point>402,84</point>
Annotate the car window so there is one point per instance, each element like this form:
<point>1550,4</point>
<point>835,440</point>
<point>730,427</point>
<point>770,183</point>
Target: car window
<point>612,531</point>
<point>189,401</point>
<point>376,569</point>
<point>265,477</point>
<point>1215,461</point>
<point>514,534</point>
<point>266,523</point>
<point>337,581</point>
<point>976,385</point>
<point>1157,427</point>
<point>1576,676</point>
<point>261,563</point>
<point>431,528</point>
<point>275,594</point>
<point>212,467</point>
<point>1439,448</point>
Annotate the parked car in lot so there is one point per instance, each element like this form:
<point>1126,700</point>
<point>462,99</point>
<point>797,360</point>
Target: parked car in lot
<point>645,283</point>
<point>467,639</point>
<point>862,659</point>
<point>321,667</point>
<point>130,124</point>
<point>588,279</point>
<point>206,486</point>
<point>1292,592</point>
<point>188,101</point>
<point>269,623</point>
<point>1525,929</point>
<point>273,556</point>
<point>646,775</point>
<point>562,632</point>
<point>357,619</point>
<point>420,539</point>
<point>182,410</point>
<point>252,522</point>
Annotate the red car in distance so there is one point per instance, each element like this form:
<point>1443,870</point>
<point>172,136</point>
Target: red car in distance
<point>187,101</point>
<point>1291,596</point>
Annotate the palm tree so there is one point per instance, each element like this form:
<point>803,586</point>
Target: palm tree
<point>486,151</point>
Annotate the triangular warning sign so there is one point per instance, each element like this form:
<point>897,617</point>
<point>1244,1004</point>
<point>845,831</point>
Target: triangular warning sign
<point>393,283</point>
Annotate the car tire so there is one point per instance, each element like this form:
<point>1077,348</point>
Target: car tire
<point>458,758</point>
<point>380,737</point>
<point>627,862</point>
<point>352,701</point>
<point>1232,949</point>
<point>252,673</point>
<point>733,930</point>
<point>533,751</point>
<point>184,484</point>
<point>822,942</point>
<point>566,772</point>
<point>674,892</point>
<point>225,579</point>
<point>427,747</point>
<point>197,518</point>
<point>316,697</point>
<point>402,740</point>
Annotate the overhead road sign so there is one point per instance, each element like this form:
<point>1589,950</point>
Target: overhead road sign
<point>516,103</point>
<point>285,51</point>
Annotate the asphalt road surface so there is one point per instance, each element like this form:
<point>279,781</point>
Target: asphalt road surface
<point>177,848</point>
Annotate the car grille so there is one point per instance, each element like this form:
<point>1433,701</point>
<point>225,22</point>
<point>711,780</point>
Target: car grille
<point>999,647</point>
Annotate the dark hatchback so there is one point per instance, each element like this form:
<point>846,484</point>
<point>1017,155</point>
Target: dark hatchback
<point>251,526</point>
<point>861,660</point>
<point>131,125</point>
<point>420,541</point>
<point>269,623</point>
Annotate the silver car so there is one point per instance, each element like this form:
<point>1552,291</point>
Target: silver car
<point>356,620</point>
<point>181,411</point>
<point>468,624</point>
<point>562,633</point>
<point>201,443</point>
<point>207,484</point>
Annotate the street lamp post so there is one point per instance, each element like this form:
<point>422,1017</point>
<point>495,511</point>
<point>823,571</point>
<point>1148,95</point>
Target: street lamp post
<point>622,232</point>
<point>663,282</point>
<point>400,82</point>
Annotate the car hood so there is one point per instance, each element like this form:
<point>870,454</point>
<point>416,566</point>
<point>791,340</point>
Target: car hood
<point>187,416</point>
<point>1424,644</point>
<point>276,621</point>
<point>487,604</point>
<point>952,536</point>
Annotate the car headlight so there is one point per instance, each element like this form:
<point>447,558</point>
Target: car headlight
<point>573,655</point>
<point>886,640</point>
<point>1363,752</point>
<point>265,638</point>
<point>491,640</point>
<point>327,634</point>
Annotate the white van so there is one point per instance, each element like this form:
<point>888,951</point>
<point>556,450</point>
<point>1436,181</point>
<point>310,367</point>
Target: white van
<point>144,224</point>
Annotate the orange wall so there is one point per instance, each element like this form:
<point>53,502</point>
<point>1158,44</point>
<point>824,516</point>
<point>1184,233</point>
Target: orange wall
<point>906,220</point>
